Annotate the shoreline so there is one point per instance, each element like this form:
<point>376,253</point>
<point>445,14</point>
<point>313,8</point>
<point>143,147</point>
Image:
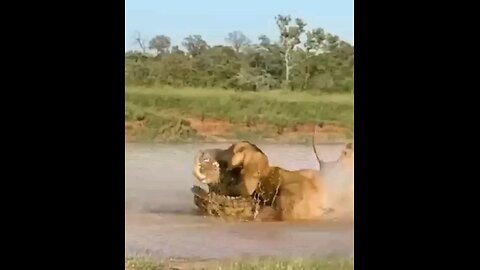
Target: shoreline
<point>191,130</point>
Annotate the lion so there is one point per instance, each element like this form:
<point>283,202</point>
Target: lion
<point>293,195</point>
<point>253,164</point>
<point>304,193</point>
<point>225,172</point>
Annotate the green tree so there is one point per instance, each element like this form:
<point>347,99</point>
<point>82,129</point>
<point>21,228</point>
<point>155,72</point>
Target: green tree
<point>264,41</point>
<point>238,40</point>
<point>195,45</point>
<point>324,64</point>
<point>289,38</point>
<point>217,66</point>
<point>160,44</point>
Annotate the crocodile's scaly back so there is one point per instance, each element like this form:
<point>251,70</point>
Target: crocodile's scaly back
<point>211,203</point>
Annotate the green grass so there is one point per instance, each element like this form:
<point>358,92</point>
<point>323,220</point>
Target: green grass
<point>265,264</point>
<point>271,107</point>
<point>159,127</point>
<point>165,109</point>
<point>278,95</point>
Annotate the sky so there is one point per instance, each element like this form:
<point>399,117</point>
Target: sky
<point>214,19</point>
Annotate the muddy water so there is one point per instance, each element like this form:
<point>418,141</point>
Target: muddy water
<point>160,217</point>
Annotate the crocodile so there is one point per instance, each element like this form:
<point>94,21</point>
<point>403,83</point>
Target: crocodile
<point>221,200</point>
<point>224,206</point>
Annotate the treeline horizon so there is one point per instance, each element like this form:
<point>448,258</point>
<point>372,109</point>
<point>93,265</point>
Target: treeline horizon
<point>300,60</point>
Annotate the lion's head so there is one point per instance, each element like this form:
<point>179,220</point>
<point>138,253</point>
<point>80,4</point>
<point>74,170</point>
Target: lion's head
<point>248,156</point>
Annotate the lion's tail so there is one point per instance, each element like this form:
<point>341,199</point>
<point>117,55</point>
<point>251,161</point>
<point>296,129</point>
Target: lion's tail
<point>314,148</point>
